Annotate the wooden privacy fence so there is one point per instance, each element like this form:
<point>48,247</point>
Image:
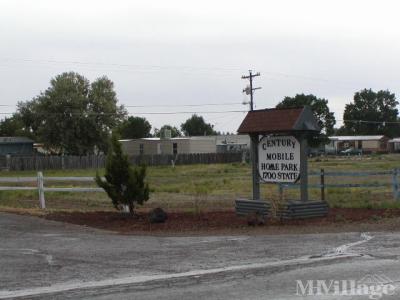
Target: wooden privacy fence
<point>322,185</point>
<point>187,159</point>
<point>20,163</point>
<point>52,162</point>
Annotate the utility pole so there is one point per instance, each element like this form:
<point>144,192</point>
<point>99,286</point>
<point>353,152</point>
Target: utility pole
<point>249,90</point>
<point>254,138</point>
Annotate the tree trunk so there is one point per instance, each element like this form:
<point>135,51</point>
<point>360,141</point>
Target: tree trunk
<point>131,209</point>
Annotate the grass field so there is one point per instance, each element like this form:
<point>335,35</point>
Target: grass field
<point>214,187</point>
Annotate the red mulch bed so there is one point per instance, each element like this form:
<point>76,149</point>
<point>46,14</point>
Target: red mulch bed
<point>226,222</point>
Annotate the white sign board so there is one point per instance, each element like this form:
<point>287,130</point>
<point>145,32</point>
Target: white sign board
<point>279,159</point>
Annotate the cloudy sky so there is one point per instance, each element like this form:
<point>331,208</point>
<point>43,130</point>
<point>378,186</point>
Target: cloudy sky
<point>169,55</point>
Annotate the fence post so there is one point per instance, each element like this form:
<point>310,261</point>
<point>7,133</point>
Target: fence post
<point>8,162</point>
<point>280,192</point>
<point>395,185</point>
<point>42,201</point>
<point>322,185</point>
<point>243,157</point>
<point>62,162</point>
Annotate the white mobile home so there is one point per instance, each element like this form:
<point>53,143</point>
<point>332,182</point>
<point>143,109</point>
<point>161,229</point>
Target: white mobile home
<point>190,144</point>
<point>232,143</point>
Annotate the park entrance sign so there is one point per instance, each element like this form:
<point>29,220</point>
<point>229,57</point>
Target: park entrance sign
<point>279,155</point>
<point>281,129</point>
<point>279,159</point>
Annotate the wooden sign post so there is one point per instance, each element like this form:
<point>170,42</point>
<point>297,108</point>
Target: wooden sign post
<point>303,169</point>
<point>254,167</point>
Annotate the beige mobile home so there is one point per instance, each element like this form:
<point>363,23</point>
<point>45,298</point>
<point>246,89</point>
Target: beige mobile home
<point>366,143</point>
<point>178,145</point>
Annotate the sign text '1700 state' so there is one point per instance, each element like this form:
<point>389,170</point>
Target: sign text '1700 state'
<point>279,159</point>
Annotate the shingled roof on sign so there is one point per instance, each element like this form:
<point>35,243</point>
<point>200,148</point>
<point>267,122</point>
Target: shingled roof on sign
<point>279,120</point>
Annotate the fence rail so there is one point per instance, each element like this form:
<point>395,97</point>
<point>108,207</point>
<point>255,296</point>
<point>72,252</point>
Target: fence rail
<point>40,180</point>
<point>39,163</point>
<point>394,184</point>
<point>342,173</point>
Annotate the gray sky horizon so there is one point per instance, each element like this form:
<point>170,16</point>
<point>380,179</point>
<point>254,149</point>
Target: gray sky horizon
<point>166,54</point>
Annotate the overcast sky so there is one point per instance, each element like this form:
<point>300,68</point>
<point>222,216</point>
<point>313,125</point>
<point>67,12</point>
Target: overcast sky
<point>171,53</point>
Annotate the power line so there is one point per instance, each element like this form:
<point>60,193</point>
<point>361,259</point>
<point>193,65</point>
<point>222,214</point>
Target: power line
<point>135,66</point>
<point>191,112</point>
<point>194,112</point>
<point>230,120</point>
<point>167,105</point>
<point>187,105</point>
<point>137,113</point>
<point>370,122</point>
<point>217,119</point>
<point>183,68</point>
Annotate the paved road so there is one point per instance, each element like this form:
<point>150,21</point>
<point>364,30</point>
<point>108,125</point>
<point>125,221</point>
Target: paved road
<point>41,259</point>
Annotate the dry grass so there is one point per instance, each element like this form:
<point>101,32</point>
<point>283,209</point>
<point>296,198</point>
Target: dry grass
<point>214,187</point>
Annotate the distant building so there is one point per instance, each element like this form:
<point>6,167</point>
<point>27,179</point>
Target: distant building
<point>364,143</point>
<point>152,146</point>
<point>181,145</point>
<point>16,146</point>
<point>232,143</point>
<point>394,145</point>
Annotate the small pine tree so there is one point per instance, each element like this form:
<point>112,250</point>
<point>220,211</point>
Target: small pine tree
<point>124,184</point>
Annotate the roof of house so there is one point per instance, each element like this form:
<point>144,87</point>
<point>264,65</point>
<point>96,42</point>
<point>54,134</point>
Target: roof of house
<point>279,120</point>
<point>356,137</point>
<point>15,140</point>
<point>206,137</point>
<point>395,140</point>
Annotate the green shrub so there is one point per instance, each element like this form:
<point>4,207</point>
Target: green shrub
<point>124,184</point>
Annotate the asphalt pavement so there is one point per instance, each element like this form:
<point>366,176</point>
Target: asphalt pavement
<point>41,259</point>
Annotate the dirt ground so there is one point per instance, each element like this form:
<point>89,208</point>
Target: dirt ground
<point>226,222</point>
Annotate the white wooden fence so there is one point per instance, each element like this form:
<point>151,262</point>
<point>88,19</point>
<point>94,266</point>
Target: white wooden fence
<point>40,185</point>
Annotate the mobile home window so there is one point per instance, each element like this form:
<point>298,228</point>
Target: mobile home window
<point>141,148</point>
<point>175,148</point>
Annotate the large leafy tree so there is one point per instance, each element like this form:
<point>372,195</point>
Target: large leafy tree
<point>196,126</point>
<point>175,132</point>
<point>319,106</point>
<point>134,128</point>
<point>73,116</point>
<point>371,113</point>
<point>124,184</point>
